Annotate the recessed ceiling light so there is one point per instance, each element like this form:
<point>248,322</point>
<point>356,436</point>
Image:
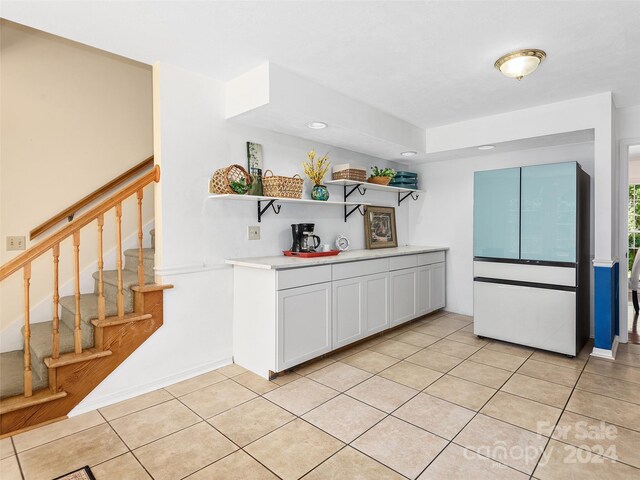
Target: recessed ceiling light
<point>520,63</point>
<point>317,125</point>
<point>486,147</point>
<point>409,153</point>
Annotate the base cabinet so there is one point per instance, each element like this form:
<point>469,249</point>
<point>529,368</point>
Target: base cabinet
<point>348,305</point>
<point>437,286</point>
<point>376,294</point>
<point>403,295</point>
<point>304,324</point>
<point>285,317</point>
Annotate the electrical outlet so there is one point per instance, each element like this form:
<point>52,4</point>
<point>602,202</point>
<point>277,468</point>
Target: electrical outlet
<point>254,233</point>
<point>16,243</point>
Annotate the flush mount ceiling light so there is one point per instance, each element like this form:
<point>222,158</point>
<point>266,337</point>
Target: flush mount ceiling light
<point>520,63</point>
<point>408,153</point>
<point>317,125</point>
<point>486,147</point>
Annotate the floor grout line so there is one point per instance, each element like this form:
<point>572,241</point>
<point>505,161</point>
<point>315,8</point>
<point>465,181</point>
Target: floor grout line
<point>418,323</point>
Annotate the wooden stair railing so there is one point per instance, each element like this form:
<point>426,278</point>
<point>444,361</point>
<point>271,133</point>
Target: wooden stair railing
<point>24,261</point>
<point>69,212</point>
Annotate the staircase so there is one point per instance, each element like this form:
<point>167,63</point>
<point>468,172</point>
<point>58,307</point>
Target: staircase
<point>11,363</point>
<point>91,333</point>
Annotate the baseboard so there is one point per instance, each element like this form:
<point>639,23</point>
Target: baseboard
<point>606,354</point>
<point>88,406</point>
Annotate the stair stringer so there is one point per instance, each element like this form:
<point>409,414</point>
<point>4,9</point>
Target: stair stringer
<point>79,379</point>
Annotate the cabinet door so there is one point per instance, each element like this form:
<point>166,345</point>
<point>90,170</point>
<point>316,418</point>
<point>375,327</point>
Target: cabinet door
<point>348,306</point>
<point>403,295</point>
<point>549,212</point>
<point>376,294</point>
<point>304,324</point>
<point>496,213</point>
<point>437,286</point>
<point>423,299</point>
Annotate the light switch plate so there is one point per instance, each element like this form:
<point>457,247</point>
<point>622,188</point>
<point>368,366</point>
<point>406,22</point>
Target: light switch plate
<point>253,233</point>
<point>16,242</point>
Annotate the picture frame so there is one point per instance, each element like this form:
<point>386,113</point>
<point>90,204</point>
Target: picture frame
<point>380,227</point>
<point>254,164</point>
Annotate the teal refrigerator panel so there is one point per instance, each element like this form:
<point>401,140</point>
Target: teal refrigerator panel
<point>496,213</point>
<point>548,223</point>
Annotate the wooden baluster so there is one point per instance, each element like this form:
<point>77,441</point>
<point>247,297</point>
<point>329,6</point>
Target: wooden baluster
<point>119,240</point>
<point>55,347</point>
<point>77,333</point>
<point>27,333</point>
<point>140,258</point>
<point>101,301</point>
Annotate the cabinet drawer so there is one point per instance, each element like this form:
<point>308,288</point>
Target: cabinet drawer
<point>298,277</point>
<point>341,271</point>
<point>429,258</point>
<point>405,261</point>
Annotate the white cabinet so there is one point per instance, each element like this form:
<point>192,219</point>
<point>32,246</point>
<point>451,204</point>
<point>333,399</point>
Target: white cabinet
<point>424,287</point>
<point>437,286</point>
<point>348,305</point>
<point>376,294</point>
<point>403,302</point>
<point>284,317</point>
<point>304,324</point>
<point>360,308</point>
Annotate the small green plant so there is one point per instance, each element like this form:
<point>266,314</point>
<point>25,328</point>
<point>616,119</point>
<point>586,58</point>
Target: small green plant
<point>382,172</point>
<point>240,186</point>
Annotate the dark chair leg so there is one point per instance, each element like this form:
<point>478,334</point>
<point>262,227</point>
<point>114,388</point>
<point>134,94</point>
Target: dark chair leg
<point>634,297</point>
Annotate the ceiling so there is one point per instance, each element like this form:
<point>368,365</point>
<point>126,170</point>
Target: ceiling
<point>429,63</point>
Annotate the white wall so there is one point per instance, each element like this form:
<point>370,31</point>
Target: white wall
<point>444,214</point>
<point>195,234</point>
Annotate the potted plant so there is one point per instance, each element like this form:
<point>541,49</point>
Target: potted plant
<point>240,186</point>
<point>315,169</point>
<point>381,176</point>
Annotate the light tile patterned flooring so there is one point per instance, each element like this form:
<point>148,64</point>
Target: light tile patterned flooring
<point>429,401</point>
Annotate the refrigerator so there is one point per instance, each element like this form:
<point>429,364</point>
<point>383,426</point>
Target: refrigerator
<point>531,256</point>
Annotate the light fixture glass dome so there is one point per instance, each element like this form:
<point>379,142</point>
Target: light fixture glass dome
<point>521,63</point>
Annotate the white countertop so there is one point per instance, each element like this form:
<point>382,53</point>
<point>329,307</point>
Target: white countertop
<point>279,262</point>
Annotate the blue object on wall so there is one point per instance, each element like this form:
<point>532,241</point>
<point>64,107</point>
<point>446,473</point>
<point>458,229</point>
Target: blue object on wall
<point>606,308</point>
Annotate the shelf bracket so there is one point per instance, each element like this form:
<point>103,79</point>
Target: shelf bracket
<point>413,195</point>
<point>361,190</point>
<point>261,211</point>
<point>359,208</point>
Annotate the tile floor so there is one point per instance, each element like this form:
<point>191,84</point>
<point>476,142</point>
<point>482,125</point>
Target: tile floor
<point>428,401</point>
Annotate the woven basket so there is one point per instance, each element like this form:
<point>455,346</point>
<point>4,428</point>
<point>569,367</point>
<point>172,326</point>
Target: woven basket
<point>379,180</point>
<point>284,187</point>
<point>221,179</point>
<point>350,174</point>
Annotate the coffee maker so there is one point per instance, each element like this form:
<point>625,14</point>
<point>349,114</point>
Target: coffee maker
<point>303,238</point>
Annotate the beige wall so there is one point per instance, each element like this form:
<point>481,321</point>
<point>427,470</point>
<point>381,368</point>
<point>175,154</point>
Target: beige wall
<point>72,118</point>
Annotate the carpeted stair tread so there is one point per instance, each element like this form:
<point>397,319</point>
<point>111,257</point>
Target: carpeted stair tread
<point>131,260</point>
<point>129,278</point>
<point>41,344</point>
<point>12,375</point>
<point>88,306</point>
<point>147,253</point>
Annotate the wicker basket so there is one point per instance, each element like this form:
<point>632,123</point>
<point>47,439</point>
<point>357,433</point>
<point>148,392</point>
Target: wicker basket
<point>350,174</point>
<point>221,179</point>
<point>284,187</point>
<point>379,180</point>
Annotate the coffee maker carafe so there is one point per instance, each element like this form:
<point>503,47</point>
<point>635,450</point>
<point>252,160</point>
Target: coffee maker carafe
<point>303,238</point>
